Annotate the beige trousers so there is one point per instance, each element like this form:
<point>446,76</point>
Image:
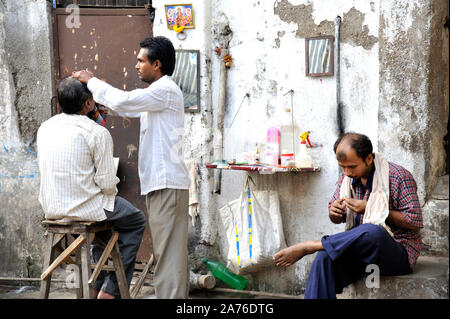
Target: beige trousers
<point>168,218</point>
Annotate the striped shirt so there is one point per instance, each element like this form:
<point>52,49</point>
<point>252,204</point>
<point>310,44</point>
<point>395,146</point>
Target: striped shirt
<point>402,197</point>
<point>160,107</point>
<point>78,179</point>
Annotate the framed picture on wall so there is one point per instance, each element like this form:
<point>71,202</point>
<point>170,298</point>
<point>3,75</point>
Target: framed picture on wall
<point>180,15</point>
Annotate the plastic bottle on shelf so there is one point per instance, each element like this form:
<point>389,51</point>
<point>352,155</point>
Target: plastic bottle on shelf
<point>220,271</point>
<point>257,156</point>
<point>303,159</point>
<point>273,146</point>
<point>287,159</point>
<point>287,133</point>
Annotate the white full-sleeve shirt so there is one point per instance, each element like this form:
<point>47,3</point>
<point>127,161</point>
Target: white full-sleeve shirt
<point>160,107</point>
<point>76,165</point>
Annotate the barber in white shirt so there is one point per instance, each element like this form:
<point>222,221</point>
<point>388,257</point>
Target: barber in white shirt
<point>78,179</point>
<point>163,175</point>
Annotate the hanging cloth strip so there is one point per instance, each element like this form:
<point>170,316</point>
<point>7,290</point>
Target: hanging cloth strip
<point>250,246</point>
<point>237,243</point>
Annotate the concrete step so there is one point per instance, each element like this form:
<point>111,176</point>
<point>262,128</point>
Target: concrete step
<point>435,220</point>
<point>441,190</point>
<point>435,228</point>
<point>429,280</point>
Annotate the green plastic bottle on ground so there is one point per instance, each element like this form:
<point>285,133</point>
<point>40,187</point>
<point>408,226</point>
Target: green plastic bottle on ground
<point>221,272</point>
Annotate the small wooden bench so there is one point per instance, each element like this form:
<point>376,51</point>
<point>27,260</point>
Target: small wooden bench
<point>78,238</point>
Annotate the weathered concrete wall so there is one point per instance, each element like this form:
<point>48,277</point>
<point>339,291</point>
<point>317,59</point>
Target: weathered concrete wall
<point>8,114</point>
<point>413,111</point>
<point>394,88</point>
<point>435,220</point>
<point>27,26</point>
<point>26,90</point>
<point>277,43</point>
<point>390,90</point>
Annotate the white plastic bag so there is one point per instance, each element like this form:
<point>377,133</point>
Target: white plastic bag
<point>252,238</point>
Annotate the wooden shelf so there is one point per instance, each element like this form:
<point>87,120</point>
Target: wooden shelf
<point>263,169</point>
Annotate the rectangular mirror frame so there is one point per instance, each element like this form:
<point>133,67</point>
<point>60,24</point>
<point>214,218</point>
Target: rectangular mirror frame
<point>331,47</point>
<point>197,80</point>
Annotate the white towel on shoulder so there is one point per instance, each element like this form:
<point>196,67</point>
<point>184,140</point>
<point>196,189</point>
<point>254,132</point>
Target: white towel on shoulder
<point>377,208</point>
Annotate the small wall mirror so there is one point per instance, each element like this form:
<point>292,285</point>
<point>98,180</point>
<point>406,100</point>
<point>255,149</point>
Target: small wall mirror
<point>187,76</point>
<point>319,56</point>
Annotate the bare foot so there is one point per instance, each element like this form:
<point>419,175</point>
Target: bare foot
<point>292,254</point>
<point>105,295</point>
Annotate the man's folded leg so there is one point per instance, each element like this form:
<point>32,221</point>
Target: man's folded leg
<point>130,223</point>
<point>346,255</point>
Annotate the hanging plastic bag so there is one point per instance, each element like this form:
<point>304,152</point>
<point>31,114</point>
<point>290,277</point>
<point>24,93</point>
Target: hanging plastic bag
<point>254,230</point>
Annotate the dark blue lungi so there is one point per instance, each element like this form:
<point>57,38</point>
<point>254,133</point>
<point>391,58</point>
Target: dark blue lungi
<point>346,255</point>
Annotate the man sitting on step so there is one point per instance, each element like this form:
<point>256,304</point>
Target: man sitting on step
<point>378,202</point>
<point>78,179</point>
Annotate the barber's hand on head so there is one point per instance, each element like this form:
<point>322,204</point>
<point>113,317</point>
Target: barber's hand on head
<point>83,75</point>
<point>356,205</point>
<point>337,211</point>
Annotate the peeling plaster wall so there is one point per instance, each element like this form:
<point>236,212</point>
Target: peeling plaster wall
<point>268,52</point>
<point>269,61</point>
<point>25,92</point>
<point>391,88</point>
<point>315,18</point>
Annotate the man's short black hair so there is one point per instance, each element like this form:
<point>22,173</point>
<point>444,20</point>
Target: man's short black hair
<point>160,48</point>
<point>72,94</point>
<point>359,142</point>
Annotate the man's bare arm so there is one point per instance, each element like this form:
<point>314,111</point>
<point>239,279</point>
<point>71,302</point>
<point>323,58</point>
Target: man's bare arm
<point>396,218</point>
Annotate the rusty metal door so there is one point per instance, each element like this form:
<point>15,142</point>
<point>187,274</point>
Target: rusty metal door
<point>107,42</point>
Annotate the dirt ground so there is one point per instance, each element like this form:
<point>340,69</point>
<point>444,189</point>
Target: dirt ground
<point>59,290</point>
<point>32,292</point>
<point>147,292</point>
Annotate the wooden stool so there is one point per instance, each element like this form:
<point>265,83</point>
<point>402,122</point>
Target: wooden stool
<point>82,234</point>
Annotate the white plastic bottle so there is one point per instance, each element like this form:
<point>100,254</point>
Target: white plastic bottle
<point>273,146</point>
<point>303,159</point>
<point>287,127</point>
